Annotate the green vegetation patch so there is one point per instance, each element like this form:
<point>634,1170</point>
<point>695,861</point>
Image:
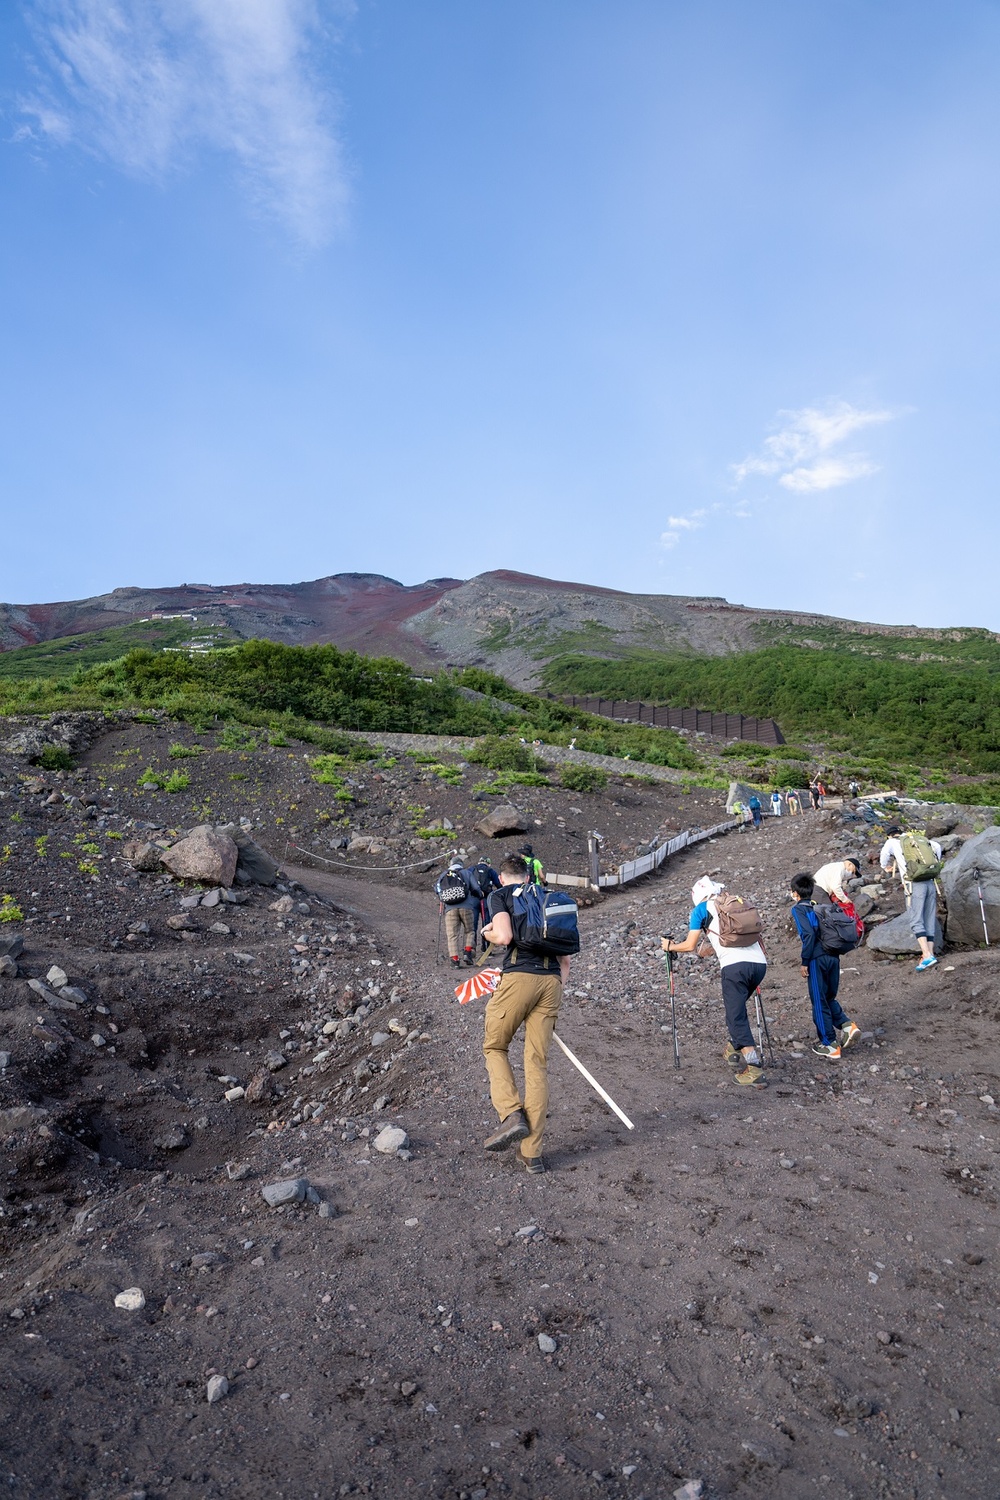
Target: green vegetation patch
<point>583,778</point>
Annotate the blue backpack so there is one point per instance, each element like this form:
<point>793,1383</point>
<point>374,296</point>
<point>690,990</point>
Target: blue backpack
<point>544,922</point>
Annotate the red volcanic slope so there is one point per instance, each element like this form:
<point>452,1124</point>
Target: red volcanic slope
<point>360,611</point>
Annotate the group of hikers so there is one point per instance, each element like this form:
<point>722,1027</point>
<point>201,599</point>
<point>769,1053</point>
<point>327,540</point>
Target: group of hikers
<point>790,800</point>
<point>537,933</point>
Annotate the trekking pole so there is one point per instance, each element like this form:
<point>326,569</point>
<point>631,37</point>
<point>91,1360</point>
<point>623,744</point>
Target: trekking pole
<point>982,908</point>
<point>437,951</point>
<point>667,959</point>
<point>593,1082</point>
<point>762,1030</point>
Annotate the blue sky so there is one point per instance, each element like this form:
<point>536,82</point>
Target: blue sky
<point>669,297</point>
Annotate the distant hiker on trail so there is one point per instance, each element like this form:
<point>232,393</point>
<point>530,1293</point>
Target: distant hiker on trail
<point>792,802</point>
<point>832,879</point>
<point>460,908</point>
<point>535,871</point>
<point>732,927</point>
<point>854,789</point>
<point>527,995</point>
<point>755,809</point>
<point>917,861</point>
<point>776,807</point>
<point>821,967</point>
<point>814,795</point>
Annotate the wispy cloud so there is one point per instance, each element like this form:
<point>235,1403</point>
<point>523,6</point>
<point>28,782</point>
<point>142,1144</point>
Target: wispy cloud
<point>801,451</point>
<point>677,525</point>
<point>147,83</point>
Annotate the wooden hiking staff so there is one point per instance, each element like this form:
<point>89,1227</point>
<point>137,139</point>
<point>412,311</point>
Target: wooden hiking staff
<point>593,1082</point>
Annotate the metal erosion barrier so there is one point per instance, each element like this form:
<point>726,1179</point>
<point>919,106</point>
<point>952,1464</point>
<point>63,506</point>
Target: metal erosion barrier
<point>701,721</point>
<point>645,864</point>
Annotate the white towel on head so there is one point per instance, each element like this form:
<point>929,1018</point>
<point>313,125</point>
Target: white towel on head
<point>704,888</point>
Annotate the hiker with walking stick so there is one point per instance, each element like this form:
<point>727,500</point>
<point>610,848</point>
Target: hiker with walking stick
<point>539,932</point>
<point>731,928</point>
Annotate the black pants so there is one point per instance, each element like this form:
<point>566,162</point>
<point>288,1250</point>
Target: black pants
<point>738,983</point>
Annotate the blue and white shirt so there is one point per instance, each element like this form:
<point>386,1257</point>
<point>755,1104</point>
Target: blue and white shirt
<point>705,918</point>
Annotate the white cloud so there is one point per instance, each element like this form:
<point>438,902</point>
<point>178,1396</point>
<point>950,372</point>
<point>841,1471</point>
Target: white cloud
<point>679,524</point>
<point>145,83</point>
<point>799,452</point>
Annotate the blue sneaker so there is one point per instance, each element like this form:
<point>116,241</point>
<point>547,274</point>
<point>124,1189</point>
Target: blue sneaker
<point>926,963</point>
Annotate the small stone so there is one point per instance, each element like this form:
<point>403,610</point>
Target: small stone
<point>98,1040</point>
<point>379,1038</point>
<point>786,1162</point>
<point>330,1028</point>
<point>390,1140</point>
<point>411,1223</point>
<point>274,1060</point>
<point>954,1413</point>
<point>4,1061</point>
<point>283,905</point>
<point>883,1336</point>
<point>327,1211</point>
<point>218,1387</point>
<point>188,903</point>
<point>691,1489</point>
<point>408,1388</point>
<point>231,1095</point>
<point>139,929</point>
<point>291,1190</point>
<point>211,898</point>
<point>181,922</point>
<point>841,1432</point>
<point>547,1343</point>
<point>174,1138</point>
<point>8,968</point>
<point>527,1232</point>
<point>58,978</point>
<point>261,1089</point>
<point>131,1300</point>
<point>72,995</point>
<point>238,1171</point>
<point>221,929</point>
<point>629,1469</point>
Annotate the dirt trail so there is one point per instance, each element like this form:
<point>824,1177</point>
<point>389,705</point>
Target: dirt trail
<point>774,1330</point>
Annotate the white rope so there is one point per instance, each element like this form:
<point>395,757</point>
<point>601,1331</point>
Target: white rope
<point>593,1082</point>
<point>334,864</point>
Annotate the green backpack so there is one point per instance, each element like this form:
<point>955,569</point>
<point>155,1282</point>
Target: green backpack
<point>921,861</point>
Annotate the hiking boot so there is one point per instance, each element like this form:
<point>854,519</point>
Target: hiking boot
<point>533,1165</point>
<point>456,961</point>
<point>926,963</point>
<point>514,1128</point>
<point>830,1051</point>
<point>848,1034</point>
<point>469,957</point>
<point>732,1055</point>
<point>751,1077</point>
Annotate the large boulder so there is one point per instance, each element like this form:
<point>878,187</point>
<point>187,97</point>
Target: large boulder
<point>961,887</point>
<point>254,866</point>
<point>896,936</point>
<point>739,792</point>
<point>204,854</point>
<point>503,819</point>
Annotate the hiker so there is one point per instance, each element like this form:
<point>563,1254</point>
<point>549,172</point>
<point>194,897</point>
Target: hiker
<point>482,879</point>
<point>528,995</point>
<point>831,881</point>
<point>917,861</point>
<point>459,912</point>
<point>535,871</point>
<point>755,809</point>
<point>776,807</point>
<point>854,789</point>
<point>814,795</point>
<point>792,802</point>
<point>743,966</point>
<point>834,1029</point>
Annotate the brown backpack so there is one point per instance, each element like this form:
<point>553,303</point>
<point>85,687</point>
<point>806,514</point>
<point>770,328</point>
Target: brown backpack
<point>739,922</point>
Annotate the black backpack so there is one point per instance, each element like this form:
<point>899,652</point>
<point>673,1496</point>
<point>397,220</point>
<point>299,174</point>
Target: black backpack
<point>481,879</point>
<point>451,888</point>
<point>838,933</point>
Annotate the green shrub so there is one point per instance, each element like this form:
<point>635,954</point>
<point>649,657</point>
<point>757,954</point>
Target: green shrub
<point>178,781</point>
<point>503,753</point>
<point>583,778</point>
<point>10,911</point>
<point>150,777</point>
<point>181,752</point>
<point>55,758</point>
<point>504,780</point>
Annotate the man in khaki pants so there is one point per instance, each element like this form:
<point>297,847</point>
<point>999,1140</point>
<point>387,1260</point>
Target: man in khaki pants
<point>528,995</point>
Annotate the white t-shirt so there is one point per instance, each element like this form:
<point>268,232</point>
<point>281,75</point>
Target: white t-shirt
<point>831,878</point>
<point>892,849</point>
<point>707,911</point>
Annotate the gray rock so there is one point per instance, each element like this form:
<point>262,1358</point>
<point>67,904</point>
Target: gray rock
<point>961,889</point>
<point>8,968</point>
<point>938,827</point>
<point>741,793</point>
<point>212,898</point>
<point>174,1138</point>
<point>691,1489</point>
<point>73,993</point>
<point>57,978</point>
<point>4,1061</point>
<point>27,742</point>
<point>254,866</point>
<point>379,1038</point>
<point>21,1117</point>
<point>275,1060</point>
<point>327,1211</point>
<point>12,946</point>
<point>547,1343</point>
<point>141,929</point>
<point>390,1140</point>
<point>502,820</point>
<point>291,1190</point>
<point>261,1089</point>
<point>238,1171</point>
<point>142,855</point>
<point>863,904</point>
<point>897,937</point>
<point>188,903</point>
<point>221,929</point>
<point>235,898</point>
<point>181,922</point>
<point>205,854</point>
<point>951,841</point>
<point>218,1386</point>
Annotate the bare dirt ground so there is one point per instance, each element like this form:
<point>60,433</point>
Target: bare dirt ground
<point>781,1295</point>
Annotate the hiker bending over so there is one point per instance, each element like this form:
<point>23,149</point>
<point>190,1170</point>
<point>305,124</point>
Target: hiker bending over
<point>917,860</point>
<point>727,925</point>
<point>527,995</point>
<point>831,880</point>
